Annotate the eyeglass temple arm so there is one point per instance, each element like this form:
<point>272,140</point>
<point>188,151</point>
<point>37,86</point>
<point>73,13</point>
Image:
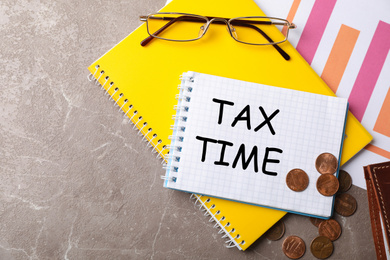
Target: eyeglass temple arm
<point>280,50</point>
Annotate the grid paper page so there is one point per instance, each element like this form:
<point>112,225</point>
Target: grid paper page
<point>219,116</point>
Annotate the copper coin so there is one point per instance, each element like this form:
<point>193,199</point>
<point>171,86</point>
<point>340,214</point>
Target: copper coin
<point>326,163</point>
<point>321,247</point>
<point>345,181</point>
<point>316,221</point>
<point>330,228</point>
<point>345,204</point>
<point>297,180</point>
<point>294,247</point>
<point>276,231</point>
<point>327,184</point>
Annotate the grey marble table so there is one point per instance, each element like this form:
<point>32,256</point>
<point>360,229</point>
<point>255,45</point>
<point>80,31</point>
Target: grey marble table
<point>76,182</point>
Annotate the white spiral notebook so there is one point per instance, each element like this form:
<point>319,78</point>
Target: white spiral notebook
<point>238,140</point>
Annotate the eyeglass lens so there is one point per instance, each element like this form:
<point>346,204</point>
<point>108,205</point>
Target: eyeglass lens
<point>176,26</point>
<point>256,30</point>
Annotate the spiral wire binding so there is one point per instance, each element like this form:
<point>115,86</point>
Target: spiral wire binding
<point>231,242</point>
<point>178,128</point>
<point>136,119</point>
<point>172,167</point>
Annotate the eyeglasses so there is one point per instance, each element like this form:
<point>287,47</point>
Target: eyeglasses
<point>183,27</point>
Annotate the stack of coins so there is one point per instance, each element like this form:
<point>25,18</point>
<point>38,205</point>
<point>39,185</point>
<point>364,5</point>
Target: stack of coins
<point>327,183</point>
<point>329,230</point>
<point>345,204</point>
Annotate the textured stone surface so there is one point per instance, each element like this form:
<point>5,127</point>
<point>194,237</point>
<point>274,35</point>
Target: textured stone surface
<point>76,182</point>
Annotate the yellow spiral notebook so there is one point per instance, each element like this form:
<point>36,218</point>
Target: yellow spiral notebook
<point>143,82</point>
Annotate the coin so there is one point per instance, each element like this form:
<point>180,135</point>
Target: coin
<point>321,247</point>
<point>316,221</point>
<point>276,232</point>
<point>345,181</point>
<point>326,163</point>
<point>345,204</point>
<point>297,180</point>
<point>327,184</point>
<point>330,228</point>
<point>293,247</point>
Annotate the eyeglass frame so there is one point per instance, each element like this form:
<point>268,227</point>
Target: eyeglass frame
<point>227,21</point>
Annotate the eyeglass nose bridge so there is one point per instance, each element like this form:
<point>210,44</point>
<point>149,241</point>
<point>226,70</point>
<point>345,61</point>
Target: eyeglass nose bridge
<point>216,19</point>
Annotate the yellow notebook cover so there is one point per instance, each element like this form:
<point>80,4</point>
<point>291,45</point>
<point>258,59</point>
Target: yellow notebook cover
<point>143,82</point>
